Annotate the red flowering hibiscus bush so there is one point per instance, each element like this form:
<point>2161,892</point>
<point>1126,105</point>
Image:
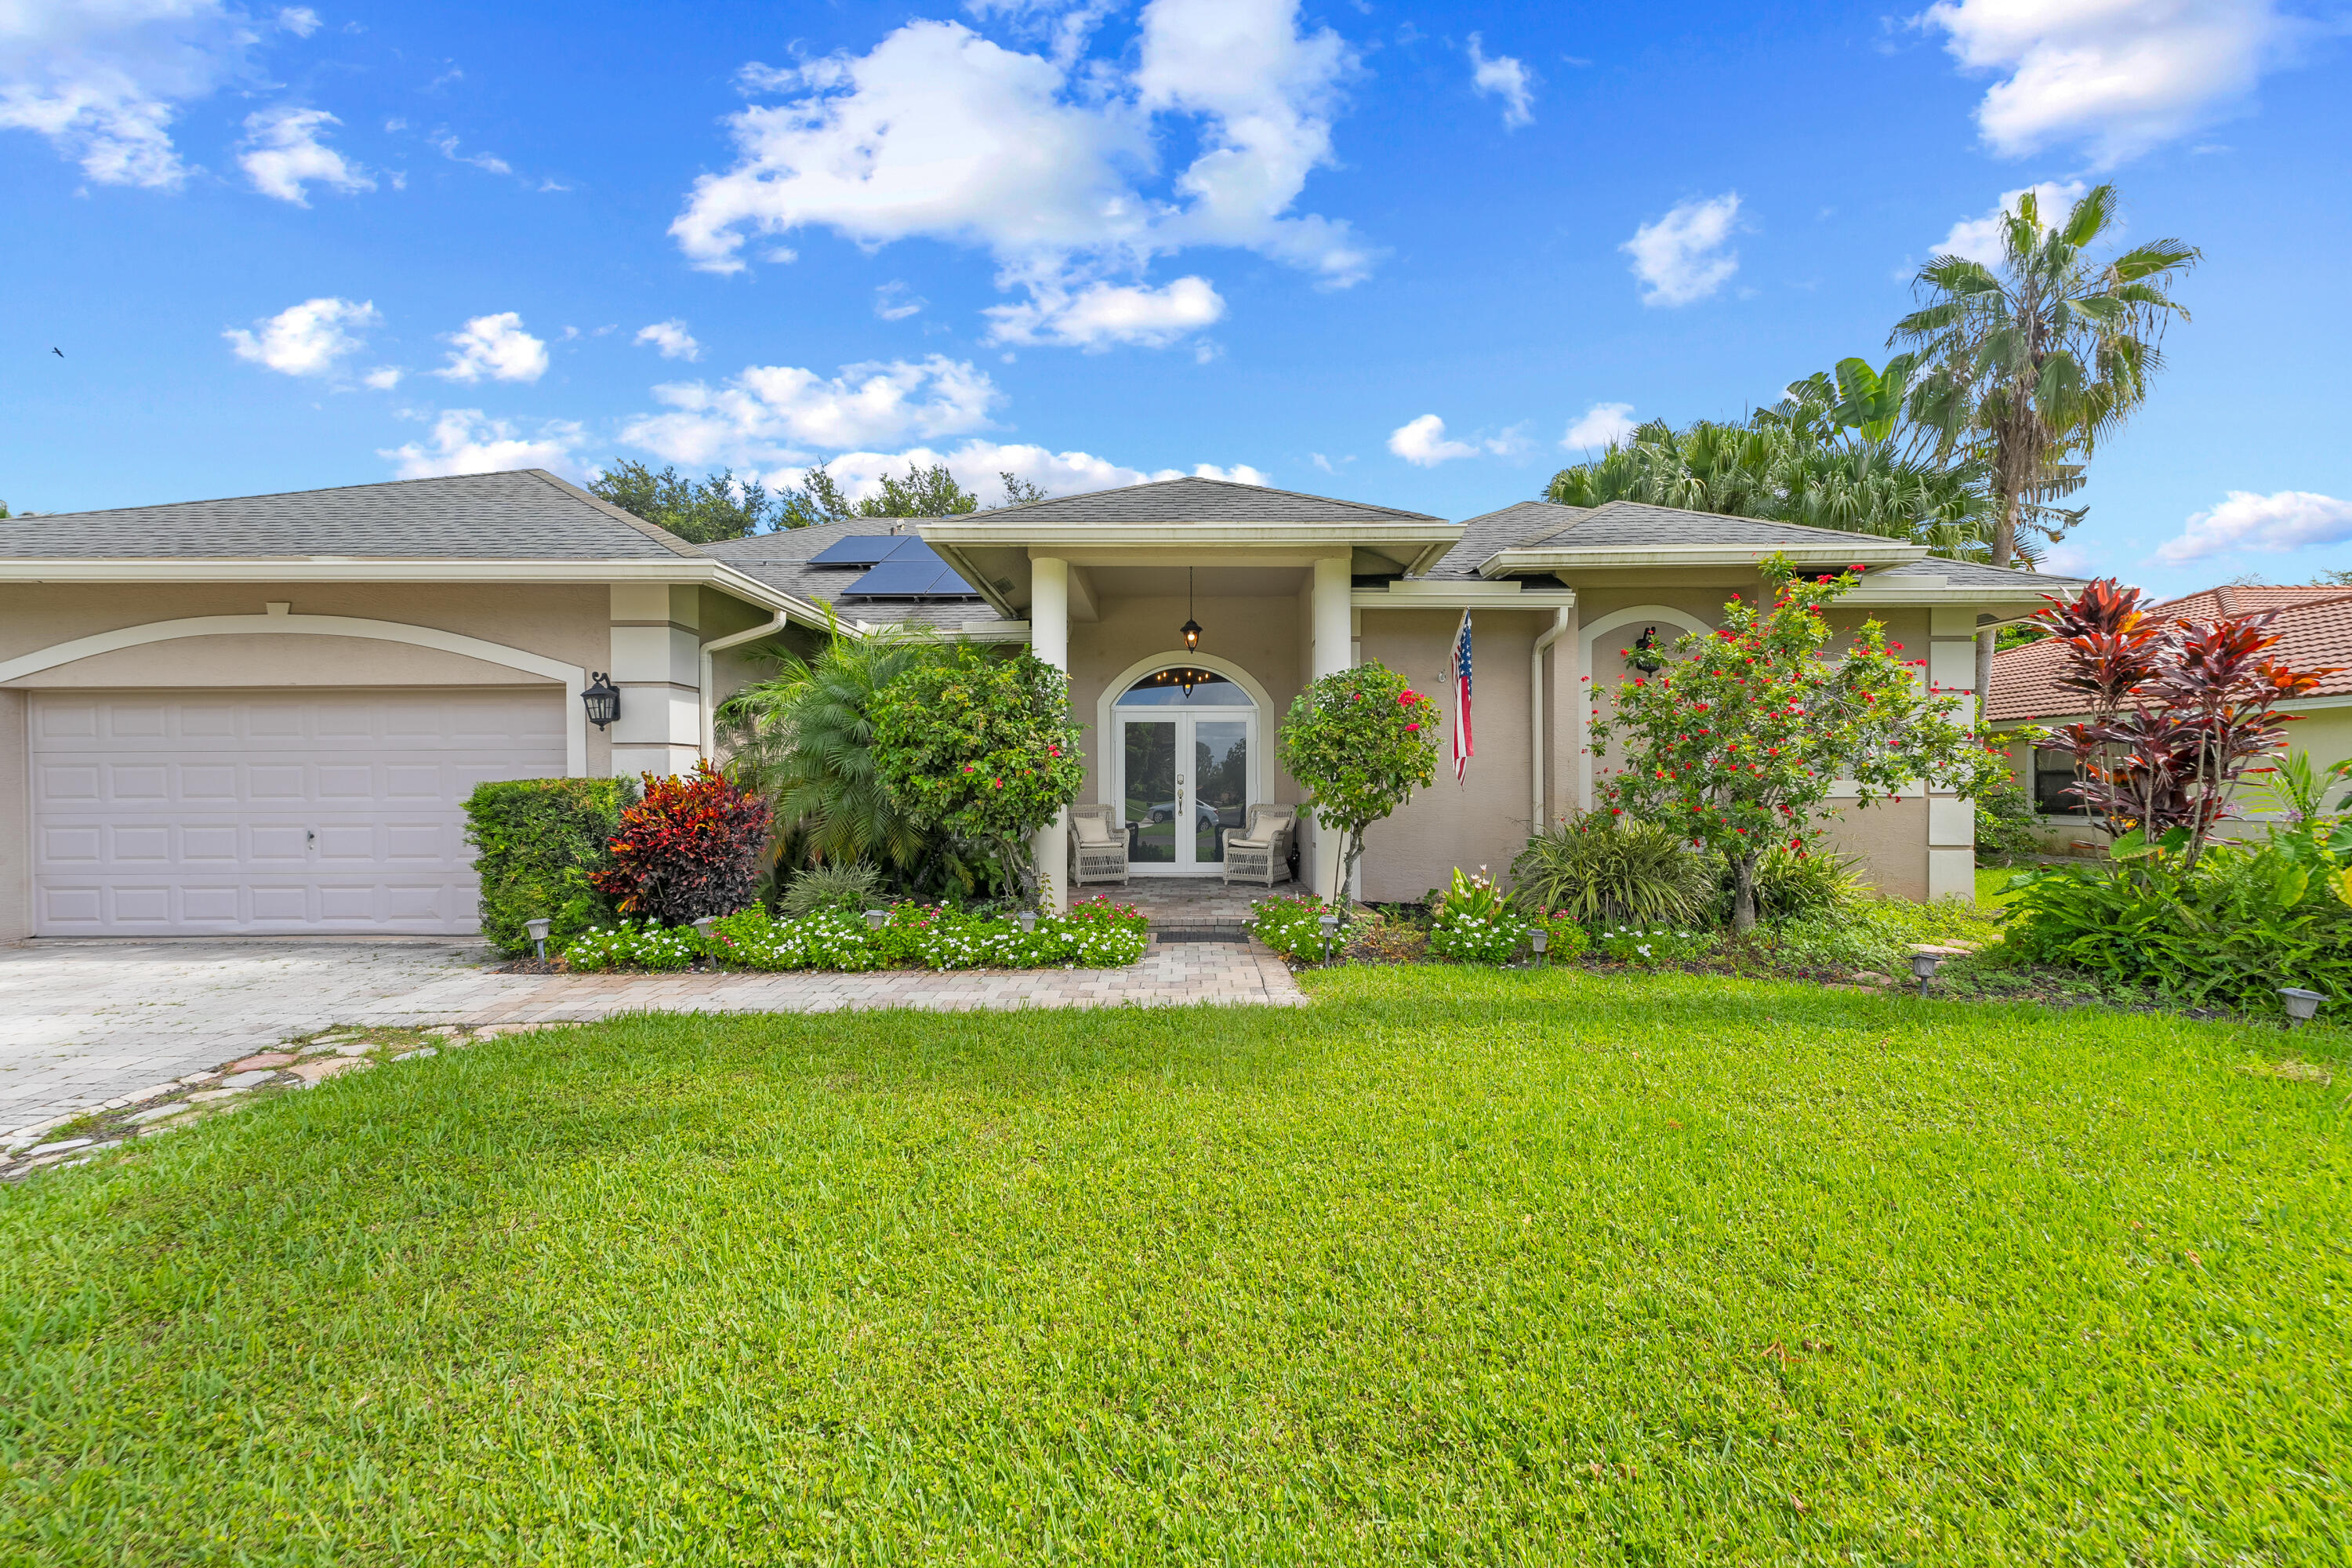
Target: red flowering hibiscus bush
<point>692,846</point>
<point>1360,742</point>
<point>981,747</point>
<point>1735,743</point>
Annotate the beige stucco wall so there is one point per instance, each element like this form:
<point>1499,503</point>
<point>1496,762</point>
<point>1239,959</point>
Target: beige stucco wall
<point>1484,819</point>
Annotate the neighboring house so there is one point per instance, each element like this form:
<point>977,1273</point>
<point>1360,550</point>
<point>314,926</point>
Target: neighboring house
<point>262,714</point>
<point>2314,628</point>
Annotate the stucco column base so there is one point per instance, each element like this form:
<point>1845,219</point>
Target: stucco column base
<point>1049,852</point>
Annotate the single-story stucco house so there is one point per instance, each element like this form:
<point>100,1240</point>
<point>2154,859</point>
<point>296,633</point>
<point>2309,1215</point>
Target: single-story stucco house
<point>262,714</point>
<point>2314,626</point>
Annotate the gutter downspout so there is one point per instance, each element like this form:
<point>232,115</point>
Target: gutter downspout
<point>710,706</point>
<point>1535,718</point>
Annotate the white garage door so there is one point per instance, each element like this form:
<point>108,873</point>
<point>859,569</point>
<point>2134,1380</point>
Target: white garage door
<point>270,812</point>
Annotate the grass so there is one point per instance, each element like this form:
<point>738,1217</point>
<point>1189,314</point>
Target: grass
<point>1992,886</point>
<point>1456,1267</point>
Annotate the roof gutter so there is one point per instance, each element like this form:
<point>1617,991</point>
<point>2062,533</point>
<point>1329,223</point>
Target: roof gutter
<point>1536,717</point>
<point>1868,551</point>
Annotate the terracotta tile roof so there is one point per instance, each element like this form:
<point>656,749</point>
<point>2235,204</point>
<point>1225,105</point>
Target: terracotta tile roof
<point>2314,628</point>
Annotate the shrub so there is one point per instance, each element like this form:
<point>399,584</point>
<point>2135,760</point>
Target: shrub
<point>631,945</point>
<point>2228,931</point>
<point>1565,939</point>
<point>1360,742</point>
<point>692,846</point>
<point>1473,923</point>
<point>2007,827</point>
<point>1293,927</point>
<point>1651,947</point>
<point>1614,870</point>
<point>982,748</point>
<point>1096,934</point>
<point>1790,886</point>
<point>538,843</point>
<point>854,887</point>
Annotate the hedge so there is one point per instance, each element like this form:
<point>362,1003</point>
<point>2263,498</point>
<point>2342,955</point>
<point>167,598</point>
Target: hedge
<point>540,840</point>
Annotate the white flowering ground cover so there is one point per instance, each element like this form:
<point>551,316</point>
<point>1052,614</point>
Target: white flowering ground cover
<point>1094,934</point>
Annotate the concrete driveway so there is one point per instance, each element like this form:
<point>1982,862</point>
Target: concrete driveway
<point>86,1021</point>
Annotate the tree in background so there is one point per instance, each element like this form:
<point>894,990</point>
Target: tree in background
<point>1838,451</point>
<point>923,492</point>
<point>2030,364</point>
<point>1735,743</point>
<point>700,511</point>
<point>1360,742</point>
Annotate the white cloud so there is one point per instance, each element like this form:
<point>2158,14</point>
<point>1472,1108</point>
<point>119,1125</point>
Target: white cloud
<point>2118,76</point>
<point>465,442</point>
<point>494,346</point>
<point>1682,257</point>
<point>781,413</point>
<point>1978,238</point>
<point>383,377</point>
<point>1423,442</point>
<point>102,82</point>
<point>307,338</point>
<point>2282,521</point>
<point>977,465</point>
<point>1100,314</point>
<point>1043,160</point>
<point>894,302</point>
<point>1602,425</point>
<point>299,20</point>
<point>283,155</point>
<point>447,145</point>
<point>1507,79</point>
<point>672,339</point>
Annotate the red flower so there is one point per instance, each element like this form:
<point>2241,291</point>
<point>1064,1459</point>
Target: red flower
<point>1411,728</point>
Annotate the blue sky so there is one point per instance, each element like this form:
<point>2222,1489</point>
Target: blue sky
<point>1395,252</point>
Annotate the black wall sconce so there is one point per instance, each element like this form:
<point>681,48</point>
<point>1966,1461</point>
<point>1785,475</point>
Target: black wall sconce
<point>603,700</point>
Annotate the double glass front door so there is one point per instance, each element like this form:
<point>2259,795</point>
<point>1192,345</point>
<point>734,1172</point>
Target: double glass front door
<point>1184,783</point>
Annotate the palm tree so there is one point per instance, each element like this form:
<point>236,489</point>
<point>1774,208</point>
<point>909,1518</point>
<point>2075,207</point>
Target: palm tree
<point>803,739</point>
<point>2032,363</point>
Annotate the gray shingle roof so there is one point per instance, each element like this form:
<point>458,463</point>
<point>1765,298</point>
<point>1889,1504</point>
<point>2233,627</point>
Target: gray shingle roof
<point>1196,500</point>
<point>1635,525</point>
<point>1493,531</point>
<point>524,514</point>
<point>780,560</point>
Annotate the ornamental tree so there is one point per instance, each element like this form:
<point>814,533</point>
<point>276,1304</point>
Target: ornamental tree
<point>1360,742</point>
<point>982,747</point>
<point>1736,741</point>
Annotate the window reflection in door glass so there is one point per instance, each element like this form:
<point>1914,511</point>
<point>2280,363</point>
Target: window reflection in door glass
<point>1150,805</point>
<point>1220,783</point>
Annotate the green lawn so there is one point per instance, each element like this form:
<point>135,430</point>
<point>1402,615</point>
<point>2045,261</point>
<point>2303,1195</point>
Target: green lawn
<point>1453,1267</point>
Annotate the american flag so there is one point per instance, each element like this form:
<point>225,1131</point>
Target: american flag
<point>1462,746</point>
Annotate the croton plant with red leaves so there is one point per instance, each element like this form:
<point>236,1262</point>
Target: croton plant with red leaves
<point>693,846</point>
<point>2179,711</point>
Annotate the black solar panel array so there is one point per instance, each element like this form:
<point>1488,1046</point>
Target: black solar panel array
<point>899,567</point>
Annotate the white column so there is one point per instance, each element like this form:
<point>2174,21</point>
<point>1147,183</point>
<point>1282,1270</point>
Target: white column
<point>655,660</point>
<point>1049,640</point>
<point>1951,821</point>
<point>1333,650</point>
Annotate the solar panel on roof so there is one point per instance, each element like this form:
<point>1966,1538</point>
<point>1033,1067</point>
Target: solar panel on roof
<point>931,579</point>
<point>868,550</point>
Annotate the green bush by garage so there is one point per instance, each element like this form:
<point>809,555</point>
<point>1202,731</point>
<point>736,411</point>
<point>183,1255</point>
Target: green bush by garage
<point>539,841</point>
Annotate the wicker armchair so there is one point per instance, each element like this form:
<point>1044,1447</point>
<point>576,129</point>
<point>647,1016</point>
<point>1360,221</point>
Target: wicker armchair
<point>1260,852</point>
<point>1097,844</point>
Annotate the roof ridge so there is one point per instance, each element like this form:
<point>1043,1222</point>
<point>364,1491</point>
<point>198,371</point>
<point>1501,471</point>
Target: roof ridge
<point>1195,479</point>
<point>652,531</point>
<point>259,495</point>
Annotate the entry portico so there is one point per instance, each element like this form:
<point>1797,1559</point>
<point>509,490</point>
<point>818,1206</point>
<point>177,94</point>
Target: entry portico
<point>1106,582</point>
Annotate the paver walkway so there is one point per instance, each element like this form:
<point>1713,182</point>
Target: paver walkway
<point>85,1022</point>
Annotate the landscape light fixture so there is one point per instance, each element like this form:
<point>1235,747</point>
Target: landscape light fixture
<point>1028,922</point>
<point>704,926</point>
<point>1191,628</point>
<point>1923,964</point>
<point>2302,1005</point>
<point>537,930</point>
<point>1539,942</point>
<point>1645,658</point>
<point>603,700</point>
<point>1330,924</point>
<point>877,919</point>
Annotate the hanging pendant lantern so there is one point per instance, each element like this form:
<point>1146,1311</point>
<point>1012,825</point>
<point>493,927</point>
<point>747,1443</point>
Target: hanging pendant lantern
<point>1191,628</point>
